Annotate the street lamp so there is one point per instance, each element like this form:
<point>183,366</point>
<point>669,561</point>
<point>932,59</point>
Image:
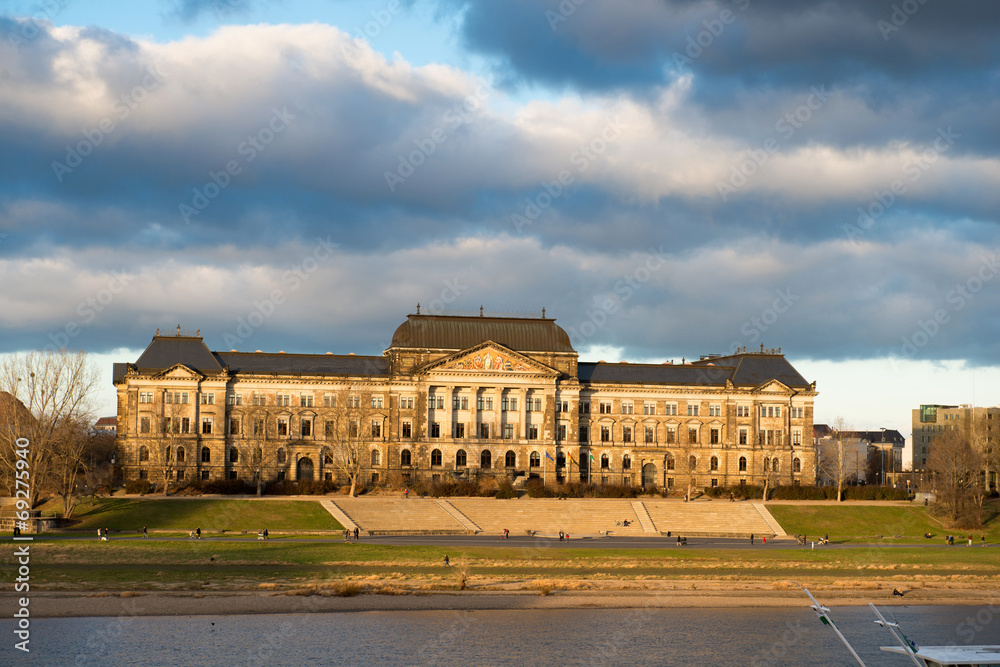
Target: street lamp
<point>883,454</point>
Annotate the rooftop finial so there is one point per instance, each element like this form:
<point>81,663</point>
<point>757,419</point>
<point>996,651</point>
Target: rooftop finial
<point>543,312</point>
<point>178,330</point>
<point>480,311</point>
<point>418,308</point>
<point>762,348</point>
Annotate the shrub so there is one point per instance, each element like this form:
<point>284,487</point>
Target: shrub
<point>505,490</point>
<point>140,486</point>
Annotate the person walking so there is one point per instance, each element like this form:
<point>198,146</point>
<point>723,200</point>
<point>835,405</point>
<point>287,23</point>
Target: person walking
<point>357,533</point>
<point>751,539</point>
<point>446,563</point>
<point>197,531</point>
<point>406,493</point>
<point>982,539</point>
<point>145,533</point>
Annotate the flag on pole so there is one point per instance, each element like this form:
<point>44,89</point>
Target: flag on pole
<point>549,456</point>
<point>591,457</point>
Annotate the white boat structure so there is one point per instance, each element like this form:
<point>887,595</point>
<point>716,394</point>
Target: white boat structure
<point>927,656</point>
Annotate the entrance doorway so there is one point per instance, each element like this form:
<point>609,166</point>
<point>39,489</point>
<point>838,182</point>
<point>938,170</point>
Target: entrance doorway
<point>304,469</point>
<point>649,475</point>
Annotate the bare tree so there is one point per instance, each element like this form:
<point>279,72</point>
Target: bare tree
<point>956,466</point>
<point>70,462</point>
<point>51,396</point>
<point>771,464</point>
<point>838,455</point>
<point>257,444</point>
<point>349,432</point>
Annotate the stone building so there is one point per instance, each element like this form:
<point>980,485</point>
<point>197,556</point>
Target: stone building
<point>465,396</point>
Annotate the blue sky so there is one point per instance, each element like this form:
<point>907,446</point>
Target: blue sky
<point>667,178</point>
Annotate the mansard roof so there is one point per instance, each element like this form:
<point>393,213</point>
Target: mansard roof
<point>743,370</point>
<point>168,351</point>
<point>304,364</point>
<point>454,332</point>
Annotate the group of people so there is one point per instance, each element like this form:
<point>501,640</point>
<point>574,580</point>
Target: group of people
<point>505,534</point>
<point>195,534</point>
<point>950,540</point>
<point>262,535</point>
<point>102,534</point>
<point>347,534</point>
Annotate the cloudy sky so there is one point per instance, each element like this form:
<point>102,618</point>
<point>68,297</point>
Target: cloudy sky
<point>668,178</point>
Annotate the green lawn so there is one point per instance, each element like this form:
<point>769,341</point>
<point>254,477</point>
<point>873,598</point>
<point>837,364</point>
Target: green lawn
<point>149,565</point>
<point>867,522</point>
<point>212,515</point>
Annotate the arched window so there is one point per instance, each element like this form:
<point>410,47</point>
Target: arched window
<point>486,459</point>
<point>170,453</point>
<point>206,455</point>
<point>743,464</point>
<point>670,463</point>
<point>626,462</point>
<point>436,457</point>
<point>767,463</point>
<point>560,460</point>
<point>376,457</point>
<point>282,456</point>
<point>605,462</point>
<point>714,463</point>
<point>692,462</point>
<point>460,458</point>
<point>143,454</point>
<point>234,455</point>
<point>510,459</point>
<point>535,460</point>
<point>796,465</point>
<point>180,455</point>
<point>404,457</point>
<point>327,457</point>
<point>774,464</point>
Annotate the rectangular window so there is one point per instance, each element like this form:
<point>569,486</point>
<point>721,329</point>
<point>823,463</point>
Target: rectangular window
<point>584,408</point>
<point>670,482</point>
<point>307,428</point>
<point>744,434</point>
<point>532,433</point>
<point>649,408</point>
<point>436,402</point>
<point>778,437</point>
<point>508,431</point>
<point>259,399</point>
<point>284,400</point>
<point>282,426</point>
<point>145,397</point>
<point>692,409</point>
<point>234,399</point>
<point>488,403</point>
<point>777,411</point>
<point>561,432</point>
<point>671,435</point>
<point>670,409</point>
<point>207,399</point>
<point>206,426</point>
<point>204,475</point>
<point>376,428</point>
<point>354,429</point>
<point>406,429</point>
<point>234,426</point>
<point>562,406</point>
<point>329,428</point>
<point>715,482</point>
<point>605,408</point>
<point>742,410</point>
<point>355,402</point>
<point>605,434</point>
<point>796,437</point>
<point>626,434</point>
<point>455,402</point>
<point>458,430</point>
<point>377,402</point>
<point>715,436</point>
<point>144,424</point>
<point>306,400</point>
<point>505,403</point>
<point>715,411</point>
<point>484,431</point>
<point>185,424</point>
<point>435,430</point>
<point>628,408</point>
<point>406,403</point>
<point>584,434</point>
<point>649,434</point>
<point>692,435</point>
<point>329,401</point>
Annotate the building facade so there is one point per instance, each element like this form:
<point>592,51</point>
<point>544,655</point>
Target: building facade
<point>932,421</point>
<point>465,396</point>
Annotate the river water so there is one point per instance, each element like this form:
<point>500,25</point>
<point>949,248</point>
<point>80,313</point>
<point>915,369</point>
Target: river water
<point>519,637</point>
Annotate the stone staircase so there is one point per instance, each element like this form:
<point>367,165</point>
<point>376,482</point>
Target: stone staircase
<point>401,516</point>
<point>547,516</point>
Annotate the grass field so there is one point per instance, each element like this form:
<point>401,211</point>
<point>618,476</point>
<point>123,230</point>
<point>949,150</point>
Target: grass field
<point>151,565</point>
<point>211,515</point>
<point>868,522</point>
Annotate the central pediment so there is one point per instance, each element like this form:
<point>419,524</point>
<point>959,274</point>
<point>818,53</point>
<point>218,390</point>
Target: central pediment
<point>488,358</point>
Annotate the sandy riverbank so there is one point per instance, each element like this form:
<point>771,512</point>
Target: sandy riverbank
<point>54,605</point>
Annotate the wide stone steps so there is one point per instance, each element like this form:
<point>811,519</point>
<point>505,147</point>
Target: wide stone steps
<point>592,516</point>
